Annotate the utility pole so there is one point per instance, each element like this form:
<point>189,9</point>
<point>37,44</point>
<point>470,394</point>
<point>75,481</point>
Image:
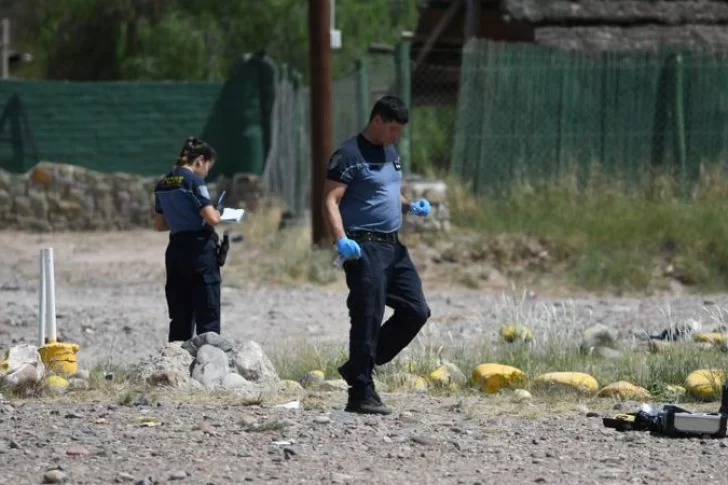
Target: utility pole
<point>319,34</point>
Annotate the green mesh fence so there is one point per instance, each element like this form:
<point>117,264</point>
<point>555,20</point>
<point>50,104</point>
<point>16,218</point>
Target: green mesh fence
<point>530,112</point>
<point>138,127</point>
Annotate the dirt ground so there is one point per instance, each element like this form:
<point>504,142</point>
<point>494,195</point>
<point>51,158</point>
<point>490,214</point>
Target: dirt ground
<point>110,300</point>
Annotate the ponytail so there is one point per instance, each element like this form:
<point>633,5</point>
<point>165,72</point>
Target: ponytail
<point>193,148</point>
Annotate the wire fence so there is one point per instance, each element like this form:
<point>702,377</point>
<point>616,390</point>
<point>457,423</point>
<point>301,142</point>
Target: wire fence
<point>287,172</point>
<point>532,112</point>
<point>434,116</point>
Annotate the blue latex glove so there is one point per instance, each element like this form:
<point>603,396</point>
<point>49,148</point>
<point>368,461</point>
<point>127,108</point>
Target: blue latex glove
<point>348,249</point>
<point>420,207</point>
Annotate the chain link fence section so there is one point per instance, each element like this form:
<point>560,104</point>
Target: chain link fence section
<point>287,173</point>
<point>529,112</point>
<point>434,102</point>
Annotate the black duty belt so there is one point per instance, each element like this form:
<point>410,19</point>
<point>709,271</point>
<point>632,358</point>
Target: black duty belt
<point>385,237</point>
<point>201,235</point>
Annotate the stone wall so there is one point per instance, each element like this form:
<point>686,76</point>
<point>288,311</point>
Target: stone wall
<point>435,191</point>
<point>60,197</point>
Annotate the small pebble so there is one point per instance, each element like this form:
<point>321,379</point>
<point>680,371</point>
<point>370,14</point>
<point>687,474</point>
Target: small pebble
<point>54,476</point>
<point>322,419</point>
<point>76,451</point>
<point>124,477</point>
<point>424,440</point>
<point>178,475</point>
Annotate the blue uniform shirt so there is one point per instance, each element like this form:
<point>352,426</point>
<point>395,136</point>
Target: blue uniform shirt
<point>179,196</point>
<point>374,176</point>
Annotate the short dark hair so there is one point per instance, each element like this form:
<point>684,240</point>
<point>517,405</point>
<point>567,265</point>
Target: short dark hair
<point>390,108</point>
<point>192,149</point>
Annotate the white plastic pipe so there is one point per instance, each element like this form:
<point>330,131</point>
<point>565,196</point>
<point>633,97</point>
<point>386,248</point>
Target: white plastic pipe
<point>50,289</point>
<point>42,304</point>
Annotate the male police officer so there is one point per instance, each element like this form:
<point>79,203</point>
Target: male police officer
<point>363,207</point>
<point>183,206</point>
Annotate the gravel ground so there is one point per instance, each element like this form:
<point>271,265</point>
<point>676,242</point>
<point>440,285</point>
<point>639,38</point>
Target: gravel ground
<point>110,300</point>
<point>432,441</point>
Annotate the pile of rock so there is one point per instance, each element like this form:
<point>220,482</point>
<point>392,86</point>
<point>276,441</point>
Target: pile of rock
<point>23,367</point>
<point>210,361</point>
<point>435,191</point>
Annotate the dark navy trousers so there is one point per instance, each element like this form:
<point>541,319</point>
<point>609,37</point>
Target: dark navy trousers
<point>384,275</point>
<point>193,284</point>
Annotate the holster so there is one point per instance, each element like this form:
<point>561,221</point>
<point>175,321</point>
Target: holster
<point>222,250</point>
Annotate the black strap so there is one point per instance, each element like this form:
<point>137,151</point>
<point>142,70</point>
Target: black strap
<point>385,237</point>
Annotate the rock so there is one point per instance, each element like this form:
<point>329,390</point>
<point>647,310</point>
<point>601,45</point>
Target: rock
<point>22,365</point>
<point>406,382</point>
<point>124,477</point>
<point>313,379</point>
<point>322,420</point>
<point>54,476</point>
<point>447,375</point>
<point>178,475</point>
<point>676,391</point>
<point>81,374</point>
<point>624,390</point>
<point>583,409</point>
<point>578,382</point>
<point>165,378</point>
<point>491,377</point>
<point>512,333</point>
<point>28,374</point>
<point>234,381</point>
<point>57,383</point>
<point>210,366</point>
<point>714,338</point>
<point>333,385</point>
<point>172,358</point>
<point>705,384</point>
<point>210,338</point>
<point>77,451</point>
<point>521,395</point>
<point>424,440</point>
<point>290,388</point>
<point>77,384</point>
<point>251,363</point>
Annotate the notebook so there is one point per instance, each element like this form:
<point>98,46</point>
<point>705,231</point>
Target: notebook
<point>231,216</point>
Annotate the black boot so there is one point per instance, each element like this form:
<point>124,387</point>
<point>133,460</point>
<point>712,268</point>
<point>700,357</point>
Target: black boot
<point>365,401</point>
<point>371,392</point>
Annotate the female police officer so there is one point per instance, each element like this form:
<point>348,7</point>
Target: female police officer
<point>183,206</point>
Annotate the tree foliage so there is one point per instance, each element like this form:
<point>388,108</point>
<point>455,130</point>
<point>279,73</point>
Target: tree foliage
<point>188,39</point>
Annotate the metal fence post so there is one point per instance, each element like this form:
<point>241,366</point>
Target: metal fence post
<point>404,90</point>
<point>362,92</point>
<point>680,124</point>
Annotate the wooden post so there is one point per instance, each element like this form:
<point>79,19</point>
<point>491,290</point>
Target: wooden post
<point>321,124</point>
